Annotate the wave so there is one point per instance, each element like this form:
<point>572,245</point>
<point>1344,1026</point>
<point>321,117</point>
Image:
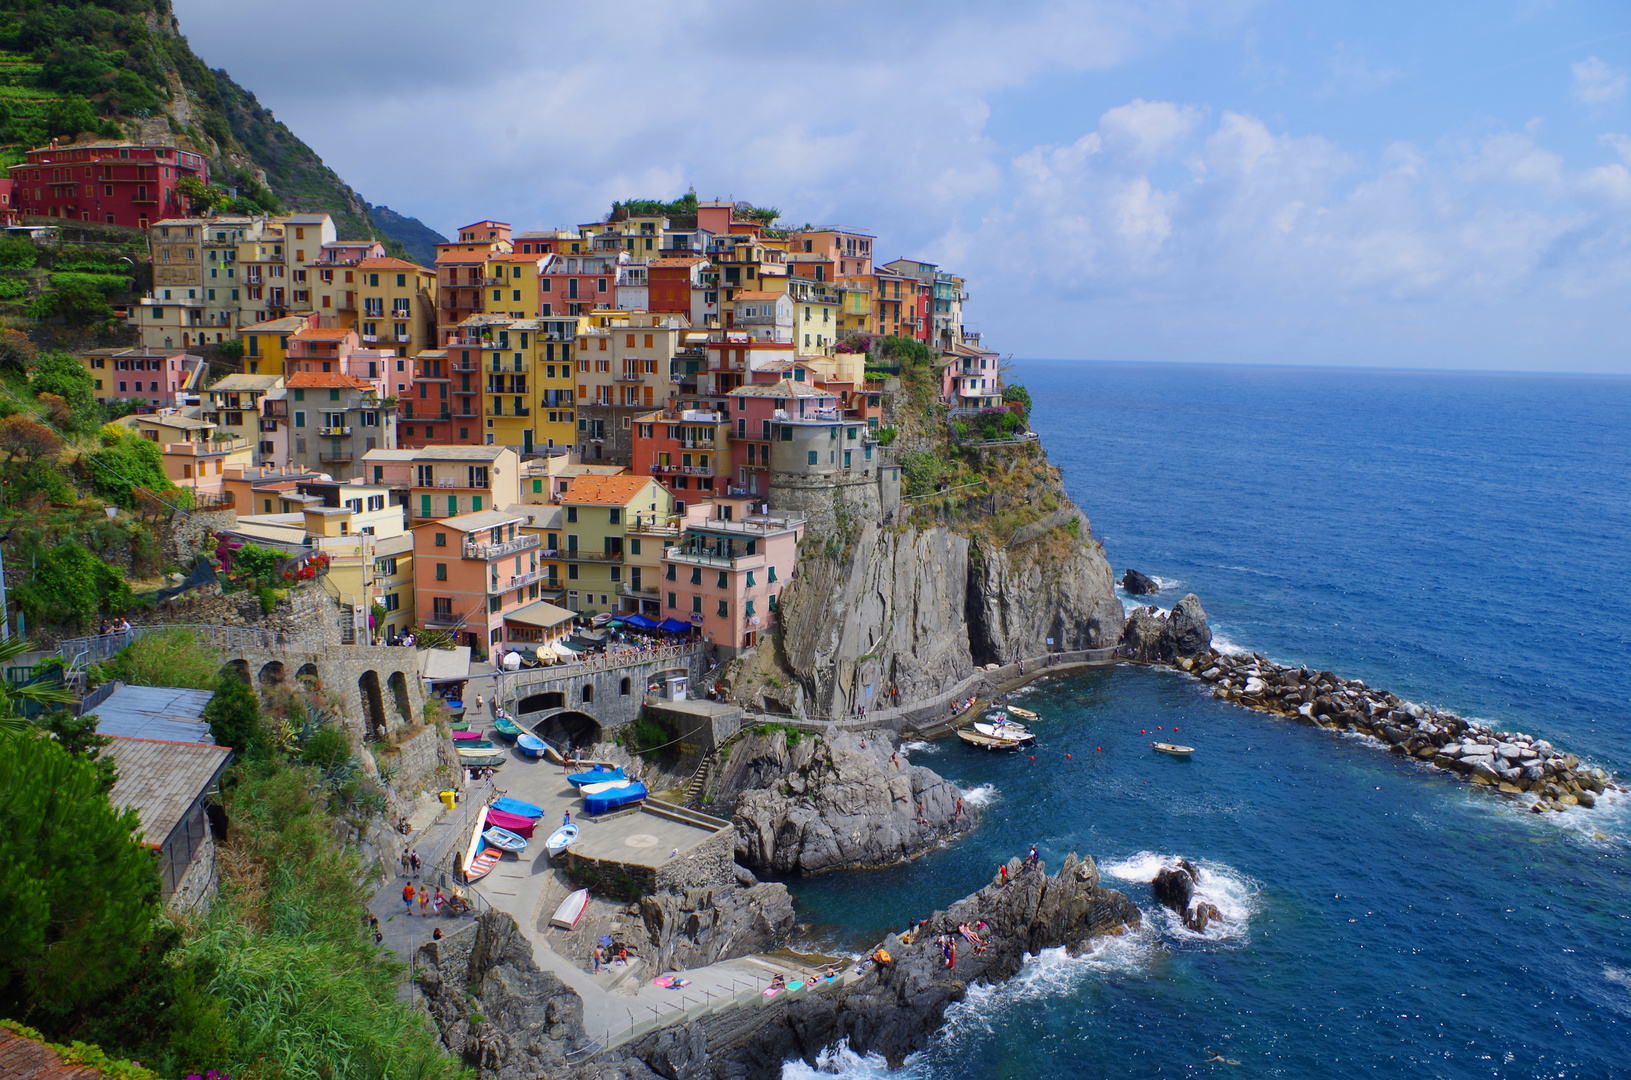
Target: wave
<point>919,746</point>
<point>840,1060</point>
<point>981,796</point>
<point>1234,894</point>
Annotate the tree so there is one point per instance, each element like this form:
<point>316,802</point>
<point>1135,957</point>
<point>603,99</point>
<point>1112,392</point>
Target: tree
<point>17,253</point>
<point>202,197</point>
<point>77,735</point>
<point>41,693</point>
<point>56,373</point>
<point>22,437</point>
<point>126,460</point>
<point>78,896</point>
<point>77,303</point>
<point>234,716</point>
<point>258,562</point>
<point>69,586</point>
<point>1015,393</point>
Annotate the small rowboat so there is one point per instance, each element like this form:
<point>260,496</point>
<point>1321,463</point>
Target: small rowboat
<point>481,759</point>
<point>597,775</point>
<point>560,840</point>
<point>1023,714</point>
<point>505,728</point>
<point>516,823</point>
<point>571,910</point>
<point>604,786</point>
<point>460,726</point>
<point>1004,730</point>
<point>516,806</point>
<point>987,742</point>
<point>477,744</point>
<point>485,860</point>
<point>504,838</point>
<point>1172,748</point>
<point>530,745</point>
<point>466,736</point>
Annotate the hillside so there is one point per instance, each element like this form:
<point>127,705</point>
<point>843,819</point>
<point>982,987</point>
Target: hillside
<point>122,69</point>
<point>417,239</point>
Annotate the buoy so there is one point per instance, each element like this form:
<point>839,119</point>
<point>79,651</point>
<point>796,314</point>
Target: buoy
<point>1141,731</point>
<point>1067,757</point>
<point>1033,757</point>
<point>1100,749</point>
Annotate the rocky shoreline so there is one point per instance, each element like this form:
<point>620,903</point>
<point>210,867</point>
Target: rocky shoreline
<point>1510,762</point>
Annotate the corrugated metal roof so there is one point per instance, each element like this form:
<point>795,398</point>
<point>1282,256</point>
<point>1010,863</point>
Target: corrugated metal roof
<point>440,665</point>
<point>160,780</point>
<point>155,712</point>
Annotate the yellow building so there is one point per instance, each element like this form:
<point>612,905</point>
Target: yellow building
<point>598,513</point>
<point>512,285</point>
<point>395,306</point>
<point>815,315</point>
<point>266,344</point>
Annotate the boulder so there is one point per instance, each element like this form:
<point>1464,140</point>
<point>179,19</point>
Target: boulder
<point>1143,635</point>
<point>703,926</point>
<point>1186,633</point>
<point>1138,584</point>
<point>1174,885</point>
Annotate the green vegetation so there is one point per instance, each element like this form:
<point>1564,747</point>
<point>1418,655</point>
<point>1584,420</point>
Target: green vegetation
<point>684,206</point>
<point>70,587</point>
<point>648,735</point>
<point>1017,394</point>
<point>76,303</point>
<point>163,658</point>
<point>12,698</point>
<point>235,719</point>
<point>85,1054</point>
<point>125,459</point>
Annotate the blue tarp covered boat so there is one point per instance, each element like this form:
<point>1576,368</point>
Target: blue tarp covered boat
<point>516,806</point>
<point>595,776</point>
<point>615,798</point>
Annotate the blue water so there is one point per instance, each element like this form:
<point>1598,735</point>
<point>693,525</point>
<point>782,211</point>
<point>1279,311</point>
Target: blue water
<point>1461,539</point>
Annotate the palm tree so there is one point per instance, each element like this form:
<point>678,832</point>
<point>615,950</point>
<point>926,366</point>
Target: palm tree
<point>13,722</point>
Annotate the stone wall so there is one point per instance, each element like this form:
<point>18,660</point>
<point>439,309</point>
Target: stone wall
<point>196,889</point>
<point>711,863</point>
<point>872,495</point>
<point>183,535</point>
<point>613,703</point>
<point>424,761</point>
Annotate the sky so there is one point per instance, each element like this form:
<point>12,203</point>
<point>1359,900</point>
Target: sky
<point>1442,185</point>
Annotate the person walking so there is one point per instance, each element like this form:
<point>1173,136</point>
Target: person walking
<point>413,860</point>
<point>406,865</point>
<point>407,897</point>
<point>479,704</point>
<point>424,903</point>
<point>598,956</point>
<point>439,901</point>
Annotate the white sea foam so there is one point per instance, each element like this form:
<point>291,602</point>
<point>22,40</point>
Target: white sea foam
<point>841,1061</point>
<point>981,796</point>
<point>919,746</point>
<point>1234,894</point>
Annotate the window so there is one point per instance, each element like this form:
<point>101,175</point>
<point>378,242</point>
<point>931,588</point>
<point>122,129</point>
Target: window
<point>441,539</point>
<point>724,611</point>
<point>672,598</point>
<point>299,419</point>
<point>494,604</point>
<point>300,395</point>
<point>588,692</point>
<point>770,576</point>
<point>634,545</point>
<point>696,605</point>
<point>670,574</point>
<point>623,687</point>
<point>750,579</point>
<point>748,609</point>
<point>441,571</point>
<point>442,606</point>
<point>696,575</point>
<point>812,457</point>
<point>424,507</point>
<point>723,582</point>
<point>572,515</point>
<point>614,516</point>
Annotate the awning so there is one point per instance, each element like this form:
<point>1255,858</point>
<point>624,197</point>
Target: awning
<point>542,614</point>
<point>640,622</point>
<point>673,626</point>
<point>445,665</point>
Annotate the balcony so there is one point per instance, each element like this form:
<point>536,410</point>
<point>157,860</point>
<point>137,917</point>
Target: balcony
<point>473,550</point>
<point>278,409</point>
<point>722,562</point>
<point>630,377</point>
<point>450,485</point>
<point>641,593</point>
<point>268,424</point>
<point>682,470</point>
<point>500,584</point>
<point>334,432</point>
<point>403,339</point>
<point>594,556</point>
<point>329,453</point>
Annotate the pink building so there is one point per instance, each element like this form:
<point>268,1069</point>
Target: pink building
<point>471,572</point>
<point>726,574</point>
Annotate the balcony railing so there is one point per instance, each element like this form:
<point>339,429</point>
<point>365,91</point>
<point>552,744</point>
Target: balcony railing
<point>594,556</point>
<point>643,593</point>
<point>682,470</point>
<point>329,453</point>
<point>498,550</point>
<point>334,432</point>
<point>514,581</point>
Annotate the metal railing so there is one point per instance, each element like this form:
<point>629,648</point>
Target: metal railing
<point>230,638</point>
<point>495,550</point>
<point>517,685</point>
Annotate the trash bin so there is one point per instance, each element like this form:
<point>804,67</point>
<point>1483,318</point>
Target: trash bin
<point>448,798</point>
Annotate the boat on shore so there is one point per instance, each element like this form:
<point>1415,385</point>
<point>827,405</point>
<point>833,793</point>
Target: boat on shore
<point>597,775</point>
<point>503,838</point>
<point>504,726</point>
<point>485,860</point>
<point>466,735</point>
<point>988,742</point>
<point>481,759</point>
<point>571,910</point>
<point>604,786</point>
<point>623,794</point>
<point>530,745</point>
<point>519,824</point>
<point>516,806</point>
<point>561,839</point>
<point>1172,748</point>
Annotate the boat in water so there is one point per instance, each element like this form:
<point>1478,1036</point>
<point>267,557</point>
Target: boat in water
<point>530,745</point>
<point>503,838</point>
<point>1023,714</point>
<point>597,775</point>
<point>1003,728</point>
<point>571,910</point>
<point>516,806</point>
<point>1172,748</point>
<point>990,742</point>
<point>561,839</point>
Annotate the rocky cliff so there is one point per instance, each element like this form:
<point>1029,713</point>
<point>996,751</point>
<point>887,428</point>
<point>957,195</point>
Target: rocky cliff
<point>845,801</point>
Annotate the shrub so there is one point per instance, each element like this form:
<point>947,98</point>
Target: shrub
<point>69,586</point>
<point>235,719</point>
<point>164,658</point>
<point>74,302</point>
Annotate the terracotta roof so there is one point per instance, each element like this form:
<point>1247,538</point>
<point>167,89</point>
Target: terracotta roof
<point>521,256</point>
<point>385,262</point>
<point>327,380</point>
<point>25,1059</point>
<point>324,333</point>
<point>786,388</point>
<point>751,294</point>
<point>604,490</point>
<point>463,256</point>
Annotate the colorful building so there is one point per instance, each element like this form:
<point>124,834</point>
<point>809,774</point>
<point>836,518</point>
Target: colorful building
<point>335,419</point>
<point>235,405</point>
<point>470,572</point>
<point>108,182</point>
<point>152,376</point>
<point>598,512</point>
<point>726,573</point>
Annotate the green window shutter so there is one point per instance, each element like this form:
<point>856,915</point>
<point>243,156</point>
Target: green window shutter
<point>334,395</point>
<point>770,575</point>
<point>634,545</point>
<point>537,487</point>
<point>424,506</point>
<point>750,579</point>
<point>696,575</point>
<point>475,503</point>
<point>300,395</point>
<point>452,506</point>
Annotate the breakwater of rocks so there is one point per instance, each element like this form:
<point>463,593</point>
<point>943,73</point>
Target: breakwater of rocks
<point>1507,761</point>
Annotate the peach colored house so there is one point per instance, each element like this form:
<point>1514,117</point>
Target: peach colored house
<point>471,572</point>
<point>727,572</point>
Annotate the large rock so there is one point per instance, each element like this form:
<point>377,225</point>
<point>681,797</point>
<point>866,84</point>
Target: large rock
<point>1138,584</point>
<point>1143,635</point>
<point>698,927</point>
<point>894,1009</point>
<point>1173,887</point>
<point>834,803</point>
<point>1186,633</point>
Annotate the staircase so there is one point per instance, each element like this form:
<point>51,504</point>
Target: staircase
<point>699,780</point>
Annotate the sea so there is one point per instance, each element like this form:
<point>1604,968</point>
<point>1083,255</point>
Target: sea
<point>1462,539</point>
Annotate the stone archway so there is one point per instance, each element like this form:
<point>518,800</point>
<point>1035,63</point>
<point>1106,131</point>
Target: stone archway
<point>271,674</point>
<point>588,693</point>
<point>552,699</point>
<point>308,676</point>
<point>373,704</point>
<point>624,686</point>
<point>398,683</point>
<point>569,727</point>
<point>239,668</point>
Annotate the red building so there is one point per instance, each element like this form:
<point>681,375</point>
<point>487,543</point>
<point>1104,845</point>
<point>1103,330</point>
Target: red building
<point>111,183</point>
<point>671,279</point>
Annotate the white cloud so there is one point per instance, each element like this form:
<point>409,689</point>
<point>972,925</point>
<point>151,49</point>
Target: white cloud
<point>1597,83</point>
